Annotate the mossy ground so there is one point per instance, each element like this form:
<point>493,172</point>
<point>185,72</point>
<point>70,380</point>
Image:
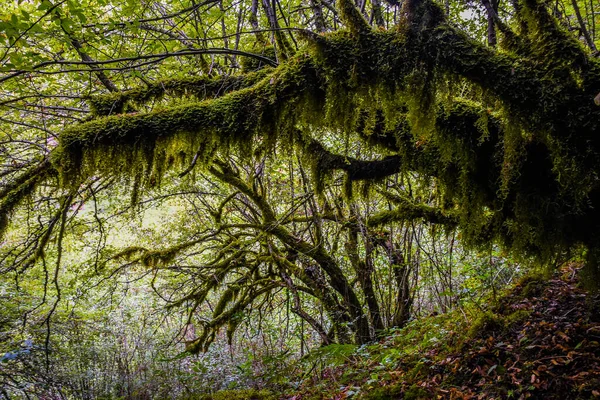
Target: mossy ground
<point>541,340</point>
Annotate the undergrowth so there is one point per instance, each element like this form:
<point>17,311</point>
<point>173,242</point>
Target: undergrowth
<point>539,339</point>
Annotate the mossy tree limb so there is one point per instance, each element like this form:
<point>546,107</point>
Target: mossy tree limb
<point>199,88</point>
<point>327,263</point>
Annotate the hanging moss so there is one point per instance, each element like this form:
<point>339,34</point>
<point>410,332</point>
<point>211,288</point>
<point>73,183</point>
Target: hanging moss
<point>227,297</point>
<point>211,328</point>
<point>12,199</point>
<point>117,143</point>
<point>13,194</point>
<point>129,252</point>
<point>549,41</point>
<point>154,258</point>
<point>158,258</point>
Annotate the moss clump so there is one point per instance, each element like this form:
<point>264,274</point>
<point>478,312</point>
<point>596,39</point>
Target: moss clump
<point>488,321</point>
<point>385,393</point>
<point>516,317</point>
<point>416,392</point>
<point>247,394</point>
<point>531,285</point>
<point>533,289</point>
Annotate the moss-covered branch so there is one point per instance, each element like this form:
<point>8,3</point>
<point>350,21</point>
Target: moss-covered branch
<point>160,258</point>
<point>318,253</point>
<point>198,88</point>
<point>356,169</point>
<point>353,18</point>
<point>231,120</point>
<point>407,210</point>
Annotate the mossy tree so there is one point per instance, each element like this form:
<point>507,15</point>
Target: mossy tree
<point>262,232</point>
<point>506,135</point>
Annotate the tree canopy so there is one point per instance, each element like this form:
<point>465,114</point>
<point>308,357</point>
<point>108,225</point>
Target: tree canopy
<point>310,135</point>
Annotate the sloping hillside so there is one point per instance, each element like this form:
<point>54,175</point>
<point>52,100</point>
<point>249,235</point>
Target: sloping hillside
<point>542,341</point>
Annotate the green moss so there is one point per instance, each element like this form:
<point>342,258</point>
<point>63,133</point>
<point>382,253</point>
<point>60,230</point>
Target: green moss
<point>17,191</point>
<point>416,392</point>
<point>120,144</point>
<point>385,393</point>
<point>252,64</point>
<point>486,322</point>
<point>158,258</point>
<point>227,297</point>
<point>129,252</point>
<point>549,40</point>
<point>531,285</point>
<point>197,88</point>
<point>410,212</point>
<point>12,199</point>
<point>462,145</point>
<point>246,394</point>
<point>516,317</point>
<point>154,258</point>
<point>524,175</point>
<point>353,18</point>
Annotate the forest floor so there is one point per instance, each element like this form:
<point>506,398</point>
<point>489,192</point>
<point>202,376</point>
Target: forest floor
<point>541,340</point>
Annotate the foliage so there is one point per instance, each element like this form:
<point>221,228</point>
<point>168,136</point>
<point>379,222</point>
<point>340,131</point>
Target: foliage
<point>278,184</point>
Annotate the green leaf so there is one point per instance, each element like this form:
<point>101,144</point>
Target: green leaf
<point>44,5</point>
<point>67,23</point>
<point>36,28</point>
<point>16,59</point>
<point>80,15</point>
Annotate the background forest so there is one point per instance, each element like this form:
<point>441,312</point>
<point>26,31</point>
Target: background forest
<point>233,194</point>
